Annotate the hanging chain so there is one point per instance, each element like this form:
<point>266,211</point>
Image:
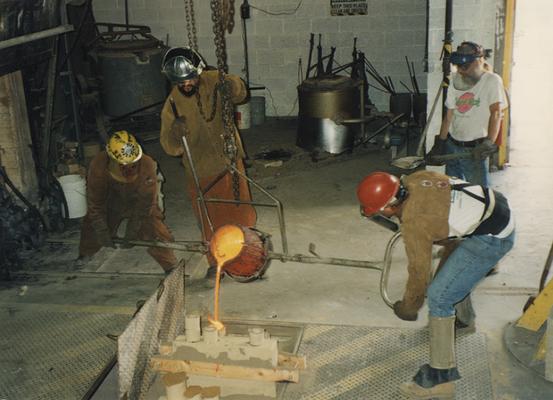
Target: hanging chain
<point>213,104</point>
<point>191,24</point>
<point>229,139</point>
<point>228,15</point>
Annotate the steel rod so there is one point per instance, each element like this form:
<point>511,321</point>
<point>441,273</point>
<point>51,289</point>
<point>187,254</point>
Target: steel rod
<point>203,206</point>
<point>191,246</point>
<point>386,269</point>
<point>35,36</point>
<point>301,258</point>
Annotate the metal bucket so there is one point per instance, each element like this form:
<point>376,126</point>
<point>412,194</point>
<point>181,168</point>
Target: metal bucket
<point>419,108</point>
<point>401,103</point>
<point>131,76</point>
<point>322,104</point>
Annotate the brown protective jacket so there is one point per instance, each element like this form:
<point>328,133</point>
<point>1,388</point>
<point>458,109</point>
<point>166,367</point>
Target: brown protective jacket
<point>110,201</point>
<point>204,138</point>
<point>206,145</point>
<point>424,220</point>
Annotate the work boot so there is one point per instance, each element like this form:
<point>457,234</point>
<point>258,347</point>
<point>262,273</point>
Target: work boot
<point>464,323</point>
<point>81,261</point>
<point>436,380</point>
<point>462,328</point>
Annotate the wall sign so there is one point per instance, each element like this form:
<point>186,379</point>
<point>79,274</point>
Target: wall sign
<point>348,7</point>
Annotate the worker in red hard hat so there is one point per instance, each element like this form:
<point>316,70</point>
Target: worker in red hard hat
<point>475,225</point>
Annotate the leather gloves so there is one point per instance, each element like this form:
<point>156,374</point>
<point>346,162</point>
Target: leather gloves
<point>439,146</point>
<point>484,150</point>
<point>403,312</point>
<point>437,149</point>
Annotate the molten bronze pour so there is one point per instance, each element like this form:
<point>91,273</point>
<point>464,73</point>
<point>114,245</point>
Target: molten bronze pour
<point>226,244</point>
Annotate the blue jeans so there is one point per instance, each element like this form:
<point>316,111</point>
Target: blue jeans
<point>468,169</point>
<point>462,271</point>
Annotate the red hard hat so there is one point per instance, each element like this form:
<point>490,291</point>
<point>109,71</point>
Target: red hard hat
<point>376,190</point>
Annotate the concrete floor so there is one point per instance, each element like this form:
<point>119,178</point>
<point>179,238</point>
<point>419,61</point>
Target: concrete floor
<point>321,208</point>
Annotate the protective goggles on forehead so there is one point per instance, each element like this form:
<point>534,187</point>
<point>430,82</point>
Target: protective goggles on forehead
<point>462,60</point>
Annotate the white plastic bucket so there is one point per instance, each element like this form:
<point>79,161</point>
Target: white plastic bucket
<point>74,190</point>
<point>243,116</point>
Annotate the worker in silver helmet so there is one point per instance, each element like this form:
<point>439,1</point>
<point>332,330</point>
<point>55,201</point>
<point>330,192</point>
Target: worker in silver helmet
<point>183,66</point>
<point>194,109</point>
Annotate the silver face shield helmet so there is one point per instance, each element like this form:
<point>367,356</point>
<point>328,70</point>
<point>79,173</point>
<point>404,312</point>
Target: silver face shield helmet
<point>181,64</point>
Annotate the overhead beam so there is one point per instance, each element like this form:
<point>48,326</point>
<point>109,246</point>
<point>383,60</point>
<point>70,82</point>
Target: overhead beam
<point>30,37</point>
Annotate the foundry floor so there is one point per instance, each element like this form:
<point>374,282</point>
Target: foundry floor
<point>321,208</point>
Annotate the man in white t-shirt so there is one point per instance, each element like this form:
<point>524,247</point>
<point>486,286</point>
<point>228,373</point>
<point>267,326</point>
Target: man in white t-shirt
<point>475,103</point>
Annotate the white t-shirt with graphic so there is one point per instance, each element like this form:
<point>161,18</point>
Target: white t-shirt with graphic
<point>472,107</point>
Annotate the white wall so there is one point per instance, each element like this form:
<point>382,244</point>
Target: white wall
<point>392,30</point>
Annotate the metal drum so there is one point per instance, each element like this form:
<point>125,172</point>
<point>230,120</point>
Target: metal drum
<point>131,76</point>
<point>323,103</point>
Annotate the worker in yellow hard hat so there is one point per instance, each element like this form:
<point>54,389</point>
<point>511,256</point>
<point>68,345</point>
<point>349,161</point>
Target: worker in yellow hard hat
<point>122,183</point>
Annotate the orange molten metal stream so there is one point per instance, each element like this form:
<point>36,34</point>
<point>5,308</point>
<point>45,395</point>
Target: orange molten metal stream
<point>226,244</point>
<point>215,320</point>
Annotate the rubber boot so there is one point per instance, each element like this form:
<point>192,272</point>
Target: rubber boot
<point>465,324</point>
<point>436,380</point>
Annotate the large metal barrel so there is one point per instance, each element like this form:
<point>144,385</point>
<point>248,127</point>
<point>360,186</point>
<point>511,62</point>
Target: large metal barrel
<point>131,77</point>
<point>323,103</point>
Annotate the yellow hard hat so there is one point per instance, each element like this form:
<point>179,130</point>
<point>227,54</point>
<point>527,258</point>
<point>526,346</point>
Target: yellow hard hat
<point>123,148</point>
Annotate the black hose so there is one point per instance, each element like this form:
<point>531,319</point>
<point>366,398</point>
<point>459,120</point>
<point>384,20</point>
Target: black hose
<point>31,207</point>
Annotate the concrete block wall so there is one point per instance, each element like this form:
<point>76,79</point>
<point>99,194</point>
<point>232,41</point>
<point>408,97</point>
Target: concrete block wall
<point>392,30</point>
<point>473,20</point>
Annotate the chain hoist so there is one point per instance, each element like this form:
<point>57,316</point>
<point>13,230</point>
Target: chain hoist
<point>229,138</point>
<point>228,15</point>
<point>191,24</point>
<point>213,104</point>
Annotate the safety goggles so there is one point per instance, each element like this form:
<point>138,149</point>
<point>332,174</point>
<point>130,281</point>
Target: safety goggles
<point>464,67</point>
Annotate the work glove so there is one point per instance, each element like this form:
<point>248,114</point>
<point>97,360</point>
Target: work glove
<point>404,313</point>
<point>179,126</point>
<point>484,150</point>
<point>438,149</point>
